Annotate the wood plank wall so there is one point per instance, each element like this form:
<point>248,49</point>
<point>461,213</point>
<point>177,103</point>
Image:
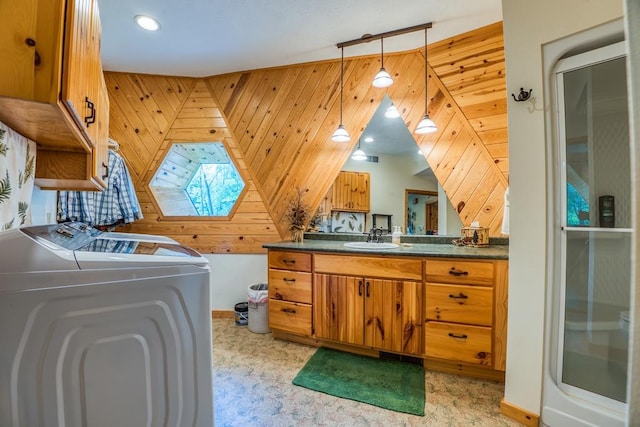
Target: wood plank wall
<point>278,123</point>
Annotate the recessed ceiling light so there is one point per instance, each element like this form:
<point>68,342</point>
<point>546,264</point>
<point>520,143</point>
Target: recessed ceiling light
<point>368,139</point>
<point>147,22</point>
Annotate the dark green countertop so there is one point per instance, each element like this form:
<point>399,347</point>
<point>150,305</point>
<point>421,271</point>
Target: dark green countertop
<point>431,246</point>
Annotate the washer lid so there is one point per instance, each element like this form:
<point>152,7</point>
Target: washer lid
<point>139,252</point>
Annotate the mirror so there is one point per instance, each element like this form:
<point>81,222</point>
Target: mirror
<point>422,212</point>
<point>396,170</point>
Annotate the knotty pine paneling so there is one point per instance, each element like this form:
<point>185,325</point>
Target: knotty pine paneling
<point>278,123</point>
<point>472,67</point>
<point>194,116</point>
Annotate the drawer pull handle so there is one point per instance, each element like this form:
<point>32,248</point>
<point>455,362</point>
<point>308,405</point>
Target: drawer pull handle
<point>284,279</point>
<point>289,261</point>
<point>461,296</point>
<point>106,170</point>
<point>289,310</point>
<point>455,272</point>
<point>463,336</point>
<point>91,118</point>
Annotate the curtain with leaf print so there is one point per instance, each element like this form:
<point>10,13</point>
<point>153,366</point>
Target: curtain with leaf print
<point>17,170</point>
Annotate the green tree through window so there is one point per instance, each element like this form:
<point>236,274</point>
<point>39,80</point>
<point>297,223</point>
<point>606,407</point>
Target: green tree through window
<point>577,208</point>
<point>214,189</point>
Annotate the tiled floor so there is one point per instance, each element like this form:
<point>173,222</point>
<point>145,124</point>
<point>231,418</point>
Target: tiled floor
<point>252,387</point>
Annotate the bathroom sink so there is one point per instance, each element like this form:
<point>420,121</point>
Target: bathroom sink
<point>371,245</point>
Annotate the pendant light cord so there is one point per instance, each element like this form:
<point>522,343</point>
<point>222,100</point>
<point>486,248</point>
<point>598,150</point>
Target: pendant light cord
<point>426,98</point>
<point>381,52</point>
<point>341,80</point>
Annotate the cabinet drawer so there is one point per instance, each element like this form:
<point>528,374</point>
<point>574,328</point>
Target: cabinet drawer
<point>460,304</point>
<point>471,344</point>
<point>376,267</point>
<point>459,271</point>
<point>290,285</point>
<point>298,261</point>
<point>290,317</point>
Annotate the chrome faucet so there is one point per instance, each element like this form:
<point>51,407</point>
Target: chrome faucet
<point>375,235</point>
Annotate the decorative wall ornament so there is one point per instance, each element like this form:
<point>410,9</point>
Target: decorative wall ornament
<point>17,174</point>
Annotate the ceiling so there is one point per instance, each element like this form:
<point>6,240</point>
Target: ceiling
<point>200,38</point>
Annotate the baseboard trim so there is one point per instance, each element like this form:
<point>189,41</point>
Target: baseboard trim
<point>465,369</point>
<point>518,414</point>
<point>222,314</point>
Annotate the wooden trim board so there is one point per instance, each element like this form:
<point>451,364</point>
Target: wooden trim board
<point>222,314</point>
<point>522,416</point>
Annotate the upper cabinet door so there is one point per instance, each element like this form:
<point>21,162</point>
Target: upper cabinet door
<point>79,90</point>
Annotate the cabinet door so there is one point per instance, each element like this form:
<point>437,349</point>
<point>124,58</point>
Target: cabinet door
<point>393,315</point>
<point>337,308</point>
<point>78,69</point>
<point>360,192</point>
<point>341,192</point>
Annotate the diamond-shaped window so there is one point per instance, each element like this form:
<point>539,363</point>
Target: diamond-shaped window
<point>197,179</point>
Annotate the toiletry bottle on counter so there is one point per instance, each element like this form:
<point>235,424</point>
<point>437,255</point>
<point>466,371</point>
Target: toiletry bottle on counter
<point>395,236</point>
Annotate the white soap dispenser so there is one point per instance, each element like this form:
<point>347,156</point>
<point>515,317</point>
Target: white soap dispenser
<point>395,236</point>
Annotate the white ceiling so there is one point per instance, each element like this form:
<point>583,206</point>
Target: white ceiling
<point>201,38</point>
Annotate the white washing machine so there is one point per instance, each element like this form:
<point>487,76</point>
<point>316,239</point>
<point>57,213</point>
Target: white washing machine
<point>103,329</point>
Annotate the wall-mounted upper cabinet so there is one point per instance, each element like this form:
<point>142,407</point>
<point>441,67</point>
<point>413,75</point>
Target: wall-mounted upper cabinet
<point>351,192</point>
<point>52,88</point>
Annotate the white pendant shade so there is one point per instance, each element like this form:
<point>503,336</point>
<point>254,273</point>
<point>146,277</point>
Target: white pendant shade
<point>341,135</point>
<point>382,79</point>
<point>426,125</point>
<point>392,112</point>
<point>359,154</point>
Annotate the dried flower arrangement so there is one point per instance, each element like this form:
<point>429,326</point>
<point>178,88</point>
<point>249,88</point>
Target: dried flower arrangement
<point>297,216</point>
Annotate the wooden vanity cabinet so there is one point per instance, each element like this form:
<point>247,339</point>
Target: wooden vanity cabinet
<point>351,192</point>
<point>52,88</point>
<point>451,312</point>
<point>382,310</point>
<point>290,300</point>
<point>465,308</point>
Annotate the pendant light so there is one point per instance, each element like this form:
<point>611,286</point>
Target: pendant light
<point>382,79</point>
<point>426,125</point>
<point>359,154</point>
<point>392,112</point>
<point>341,134</point>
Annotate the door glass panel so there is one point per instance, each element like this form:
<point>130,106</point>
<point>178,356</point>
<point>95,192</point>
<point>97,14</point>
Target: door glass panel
<point>596,329</point>
<point>596,228</point>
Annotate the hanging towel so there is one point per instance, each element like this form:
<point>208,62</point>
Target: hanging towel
<point>505,213</point>
<point>17,175</point>
<point>117,204</point>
